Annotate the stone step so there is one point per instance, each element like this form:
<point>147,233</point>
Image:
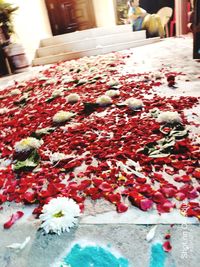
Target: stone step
<point>89,33</point>
<point>92,52</point>
<point>90,43</point>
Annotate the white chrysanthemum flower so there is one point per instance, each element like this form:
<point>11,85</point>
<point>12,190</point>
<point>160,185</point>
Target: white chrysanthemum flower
<point>157,75</point>
<point>15,92</point>
<point>3,111</point>
<point>104,100</point>
<point>113,83</point>
<point>73,98</point>
<point>62,116</point>
<point>134,103</point>
<point>28,144</point>
<point>57,93</point>
<point>112,93</point>
<point>67,79</point>
<point>93,69</point>
<point>42,78</point>
<point>24,97</point>
<point>59,215</point>
<point>50,81</point>
<point>57,156</point>
<point>169,117</point>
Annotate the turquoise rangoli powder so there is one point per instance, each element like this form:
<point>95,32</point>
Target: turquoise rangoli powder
<point>158,256</point>
<point>92,256</point>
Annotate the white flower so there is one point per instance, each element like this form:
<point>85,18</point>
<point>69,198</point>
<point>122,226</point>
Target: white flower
<point>59,215</point>
<point>57,156</point>
<point>169,117</point>
<point>94,69</point>
<point>67,79</point>
<point>134,103</point>
<point>20,246</point>
<point>113,83</point>
<point>3,110</point>
<point>62,116</point>
<point>104,100</point>
<point>157,75</point>
<point>73,98</point>
<point>28,144</point>
<point>50,81</point>
<point>112,93</point>
<point>42,78</point>
<point>57,93</point>
<point>15,92</point>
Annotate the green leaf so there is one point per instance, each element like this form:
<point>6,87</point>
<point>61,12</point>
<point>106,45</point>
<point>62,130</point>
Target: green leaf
<point>49,100</point>
<point>30,163</point>
<point>90,107</point>
<point>26,164</point>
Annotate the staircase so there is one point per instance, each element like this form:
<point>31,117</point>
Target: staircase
<point>89,43</point>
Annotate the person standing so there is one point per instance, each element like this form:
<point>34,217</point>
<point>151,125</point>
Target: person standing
<point>141,20</point>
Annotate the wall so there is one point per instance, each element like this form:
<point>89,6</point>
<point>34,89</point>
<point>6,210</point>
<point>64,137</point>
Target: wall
<point>181,17</point>
<point>104,12</point>
<point>31,24</point>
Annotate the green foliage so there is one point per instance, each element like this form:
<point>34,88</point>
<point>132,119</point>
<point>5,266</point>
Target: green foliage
<point>30,163</point>
<point>6,17</point>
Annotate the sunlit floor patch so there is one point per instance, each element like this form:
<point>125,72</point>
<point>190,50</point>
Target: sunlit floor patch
<point>92,256</point>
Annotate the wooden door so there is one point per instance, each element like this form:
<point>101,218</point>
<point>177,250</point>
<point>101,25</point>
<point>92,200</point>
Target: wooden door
<point>70,15</point>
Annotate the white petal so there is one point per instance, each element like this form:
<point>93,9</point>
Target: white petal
<point>151,233</point>
<point>20,245</point>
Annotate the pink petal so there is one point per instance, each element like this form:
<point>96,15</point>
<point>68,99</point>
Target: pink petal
<point>16,216</point>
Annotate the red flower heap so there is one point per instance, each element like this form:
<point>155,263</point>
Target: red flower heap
<point>95,140</point>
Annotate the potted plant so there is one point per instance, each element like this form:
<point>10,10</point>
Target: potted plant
<point>6,20</point>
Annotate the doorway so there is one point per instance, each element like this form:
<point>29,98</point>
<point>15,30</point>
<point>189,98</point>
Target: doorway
<point>70,15</point>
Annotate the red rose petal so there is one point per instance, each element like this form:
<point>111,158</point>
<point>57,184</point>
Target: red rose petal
<point>146,204</point>
<point>158,197</point>
<point>16,216</point>
<point>167,246</point>
<point>180,196</point>
<point>105,187</point>
<point>29,197</point>
<point>114,198</point>
<point>165,207</point>
<point>140,201</point>
<point>196,174</point>
<point>167,236</point>
<point>121,207</point>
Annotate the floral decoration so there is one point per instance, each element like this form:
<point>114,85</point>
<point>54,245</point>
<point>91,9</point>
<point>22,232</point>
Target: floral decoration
<point>59,215</point>
<point>148,159</point>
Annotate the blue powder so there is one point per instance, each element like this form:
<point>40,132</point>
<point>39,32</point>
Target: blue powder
<point>158,256</point>
<point>91,256</point>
